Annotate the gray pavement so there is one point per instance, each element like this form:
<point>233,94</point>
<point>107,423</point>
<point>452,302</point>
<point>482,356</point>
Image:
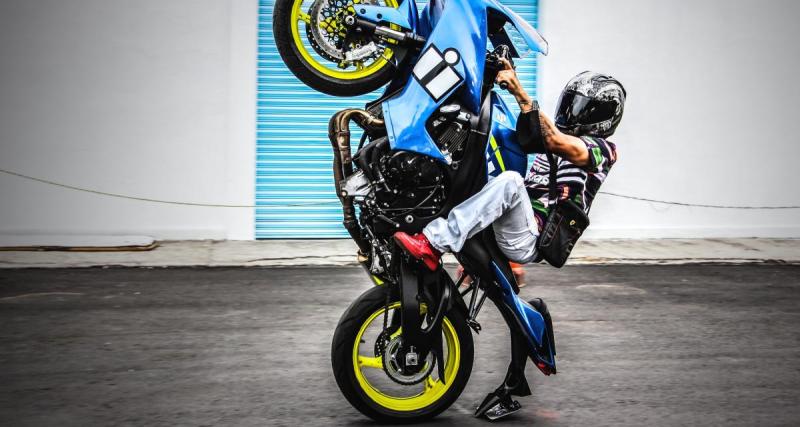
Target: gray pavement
<point>637,346</point>
<point>341,252</point>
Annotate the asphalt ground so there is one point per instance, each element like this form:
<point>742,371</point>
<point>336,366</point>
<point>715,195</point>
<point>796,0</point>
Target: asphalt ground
<point>637,346</point>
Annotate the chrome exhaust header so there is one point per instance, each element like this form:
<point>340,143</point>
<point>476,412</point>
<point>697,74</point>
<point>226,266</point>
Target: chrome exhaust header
<point>339,135</point>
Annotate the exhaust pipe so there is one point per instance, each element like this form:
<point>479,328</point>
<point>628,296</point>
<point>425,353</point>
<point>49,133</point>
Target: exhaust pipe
<point>339,135</point>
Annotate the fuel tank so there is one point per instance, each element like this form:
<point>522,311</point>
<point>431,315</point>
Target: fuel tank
<point>503,152</point>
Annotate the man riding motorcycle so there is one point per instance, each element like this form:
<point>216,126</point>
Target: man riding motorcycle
<point>589,111</point>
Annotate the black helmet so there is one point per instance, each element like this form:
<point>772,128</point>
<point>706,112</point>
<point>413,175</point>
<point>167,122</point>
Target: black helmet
<point>591,104</point>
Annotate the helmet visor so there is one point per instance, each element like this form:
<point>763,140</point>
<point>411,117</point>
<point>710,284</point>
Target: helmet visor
<point>583,110</point>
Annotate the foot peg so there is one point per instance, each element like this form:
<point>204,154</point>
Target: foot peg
<point>474,325</point>
<point>495,407</point>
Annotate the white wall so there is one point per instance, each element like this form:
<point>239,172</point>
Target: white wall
<point>712,104</point>
<point>156,98</point>
<point>149,97</point>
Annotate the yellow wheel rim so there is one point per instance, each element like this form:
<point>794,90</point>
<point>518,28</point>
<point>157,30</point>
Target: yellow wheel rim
<point>300,16</point>
<point>433,389</point>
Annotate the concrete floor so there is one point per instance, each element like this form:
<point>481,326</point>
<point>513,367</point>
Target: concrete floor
<point>638,346</point>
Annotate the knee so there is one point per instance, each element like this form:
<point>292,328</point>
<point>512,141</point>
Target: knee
<point>511,183</point>
<point>511,178</point>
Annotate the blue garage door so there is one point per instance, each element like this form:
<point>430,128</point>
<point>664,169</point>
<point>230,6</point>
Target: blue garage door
<point>295,196</point>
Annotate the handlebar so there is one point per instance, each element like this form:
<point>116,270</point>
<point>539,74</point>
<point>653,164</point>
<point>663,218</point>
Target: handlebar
<point>494,59</point>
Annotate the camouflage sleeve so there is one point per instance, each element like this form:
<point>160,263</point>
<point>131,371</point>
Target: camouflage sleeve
<point>602,154</point>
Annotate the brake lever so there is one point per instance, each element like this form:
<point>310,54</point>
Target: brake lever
<point>502,52</point>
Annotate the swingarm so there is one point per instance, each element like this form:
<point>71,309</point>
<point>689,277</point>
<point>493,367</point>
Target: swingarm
<point>426,297</point>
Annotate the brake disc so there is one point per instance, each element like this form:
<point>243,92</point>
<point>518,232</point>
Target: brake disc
<point>327,33</point>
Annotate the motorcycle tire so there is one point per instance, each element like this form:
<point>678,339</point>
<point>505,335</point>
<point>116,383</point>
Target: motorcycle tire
<point>317,73</point>
<point>435,397</point>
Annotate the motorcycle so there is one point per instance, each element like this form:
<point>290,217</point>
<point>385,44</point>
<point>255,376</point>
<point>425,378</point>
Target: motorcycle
<point>403,351</point>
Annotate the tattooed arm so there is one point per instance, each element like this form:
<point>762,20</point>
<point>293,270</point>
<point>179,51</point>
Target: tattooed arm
<point>565,146</point>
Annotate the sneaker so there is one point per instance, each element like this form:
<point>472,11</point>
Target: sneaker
<point>420,248</point>
<point>519,274</point>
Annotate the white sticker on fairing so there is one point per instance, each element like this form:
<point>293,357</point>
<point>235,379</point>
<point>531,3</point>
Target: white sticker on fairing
<point>436,73</point>
<point>443,82</point>
<point>430,59</point>
<point>499,116</point>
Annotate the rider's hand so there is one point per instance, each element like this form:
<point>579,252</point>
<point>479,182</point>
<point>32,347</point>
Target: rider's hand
<point>509,77</point>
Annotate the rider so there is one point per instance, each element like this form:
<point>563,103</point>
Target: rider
<point>589,110</point>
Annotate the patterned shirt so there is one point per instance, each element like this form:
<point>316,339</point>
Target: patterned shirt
<point>579,184</point>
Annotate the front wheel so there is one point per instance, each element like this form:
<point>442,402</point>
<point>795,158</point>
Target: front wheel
<point>374,386</point>
<point>314,44</point>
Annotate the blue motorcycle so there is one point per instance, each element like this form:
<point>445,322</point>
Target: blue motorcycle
<point>403,351</point>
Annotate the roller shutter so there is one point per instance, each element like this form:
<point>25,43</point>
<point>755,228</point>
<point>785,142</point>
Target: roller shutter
<point>295,196</point>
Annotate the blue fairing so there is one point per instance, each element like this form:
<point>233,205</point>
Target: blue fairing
<point>503,152</point>
<point>531,321</point>
<point>457,44</point>
<point>407,114</point>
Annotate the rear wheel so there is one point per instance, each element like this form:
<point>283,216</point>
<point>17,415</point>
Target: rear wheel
<point>310,36</point>
<point>368,377</point>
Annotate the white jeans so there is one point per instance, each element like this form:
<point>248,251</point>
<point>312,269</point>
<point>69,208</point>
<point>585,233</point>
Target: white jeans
<point>504,202</point>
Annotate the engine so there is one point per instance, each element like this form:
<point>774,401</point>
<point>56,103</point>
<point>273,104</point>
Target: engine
<point>406,189</point>
<point>398,190</point>
<point>410,189</point>
<point>450,129</point>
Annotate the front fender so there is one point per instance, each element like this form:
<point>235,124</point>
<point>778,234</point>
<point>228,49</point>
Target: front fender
<point>406,14</point>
